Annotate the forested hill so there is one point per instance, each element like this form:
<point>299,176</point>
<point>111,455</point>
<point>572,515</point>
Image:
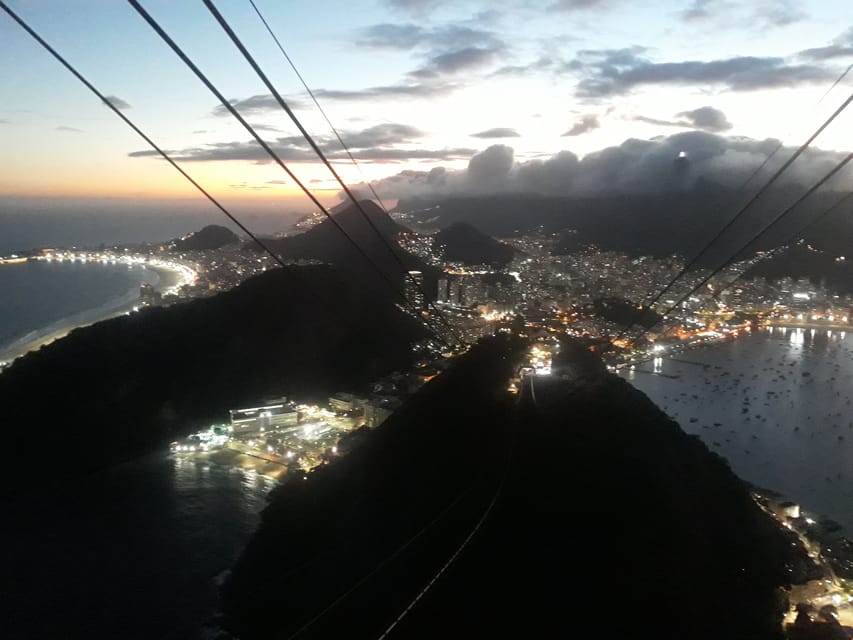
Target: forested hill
<point>326,243</point>
<point>462,242</point>
<point>212,236</point>
<point>118,388</point>
<point>608,522</point>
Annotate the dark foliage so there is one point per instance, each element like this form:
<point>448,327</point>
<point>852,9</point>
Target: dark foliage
<point>624,313</point>
<point>121,387</point>
<point>462,242</point>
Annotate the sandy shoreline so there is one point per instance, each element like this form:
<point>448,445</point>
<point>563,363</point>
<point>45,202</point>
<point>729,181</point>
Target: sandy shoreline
<point>167,279</point>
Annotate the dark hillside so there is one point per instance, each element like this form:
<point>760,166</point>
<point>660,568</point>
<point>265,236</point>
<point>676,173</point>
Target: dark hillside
<point>658,224</point>
<point>121,387</point>
<point>609,522</point>
<point>800,261</point>
<point>324,533</point>
<point>326,243</point>
<point>212,236</point>
<point>462,242</point>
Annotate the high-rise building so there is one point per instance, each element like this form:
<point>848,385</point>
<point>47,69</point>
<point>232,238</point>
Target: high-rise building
<point>455,292</point>
<point>149,296</point>
<point>442,290</point>
<point>414,289</point>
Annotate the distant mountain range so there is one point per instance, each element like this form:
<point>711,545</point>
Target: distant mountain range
<point>676,222</point>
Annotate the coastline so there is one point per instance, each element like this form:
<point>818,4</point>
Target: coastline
<point>817,326</point>
<point>167,279</point>
<point>228,458</point>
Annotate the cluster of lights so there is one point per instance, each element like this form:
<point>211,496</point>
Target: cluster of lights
<point>540,360</point>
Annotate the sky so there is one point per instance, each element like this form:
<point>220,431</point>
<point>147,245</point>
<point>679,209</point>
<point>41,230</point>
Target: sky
<point>432,96</point>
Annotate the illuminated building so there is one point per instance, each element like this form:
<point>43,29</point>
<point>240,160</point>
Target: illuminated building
<point>148,296</point>
<point>346,403</point>
<point>414,289</point>
<point>274,414</point>
<point>443,292</point>
<point>378,409</point>
<point>455,292</point>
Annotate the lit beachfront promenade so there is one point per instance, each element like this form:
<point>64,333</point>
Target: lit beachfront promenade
<point>172,275</point>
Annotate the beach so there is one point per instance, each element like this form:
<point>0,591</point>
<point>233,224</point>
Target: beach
<point>164,280</point>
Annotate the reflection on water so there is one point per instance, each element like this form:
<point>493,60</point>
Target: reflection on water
<point>776,405</point>
<point>135,552</point>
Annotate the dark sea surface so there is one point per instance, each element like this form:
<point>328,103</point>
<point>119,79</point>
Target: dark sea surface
<point>776,405</point>
<point>38,297</point>
<point>137,551</point>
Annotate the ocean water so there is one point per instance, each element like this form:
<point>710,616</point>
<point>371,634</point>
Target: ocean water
<point>39,297</point>
<point>31,223</point>
<point>137,551</point>
<point>776,405</point>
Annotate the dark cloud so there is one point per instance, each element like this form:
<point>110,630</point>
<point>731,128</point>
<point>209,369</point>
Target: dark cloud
<point>575,5</point>
<point>382,135</point>
<point>436,39</point>
<point>2,121</point>
<point>497,132</point>
<point>69,129</point>
<point>447,49</point>
<point>261,103</point>
<point>635,166</point>
<point>221,151</point>
<point>698,10</point>
<point>392,36</point>
<point>117,102</point>
<point>658,121</point>
<point>391,154</point>
<point>392,92</point>
<point>615,72</point>
<point>456,61</point>
<point>258,126</point>
<point>548,176</point>
<point>840,47</point>
<point>768,13</point>
<point>778,13</point>
<point>707,118</point>
<point>491,166</point>
<point>540,64</point>
<point>296,149</point>
<point>415,6</point>
<point>583,125</point>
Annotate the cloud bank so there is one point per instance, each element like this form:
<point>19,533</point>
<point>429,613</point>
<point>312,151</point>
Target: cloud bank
<point>635,166</point>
